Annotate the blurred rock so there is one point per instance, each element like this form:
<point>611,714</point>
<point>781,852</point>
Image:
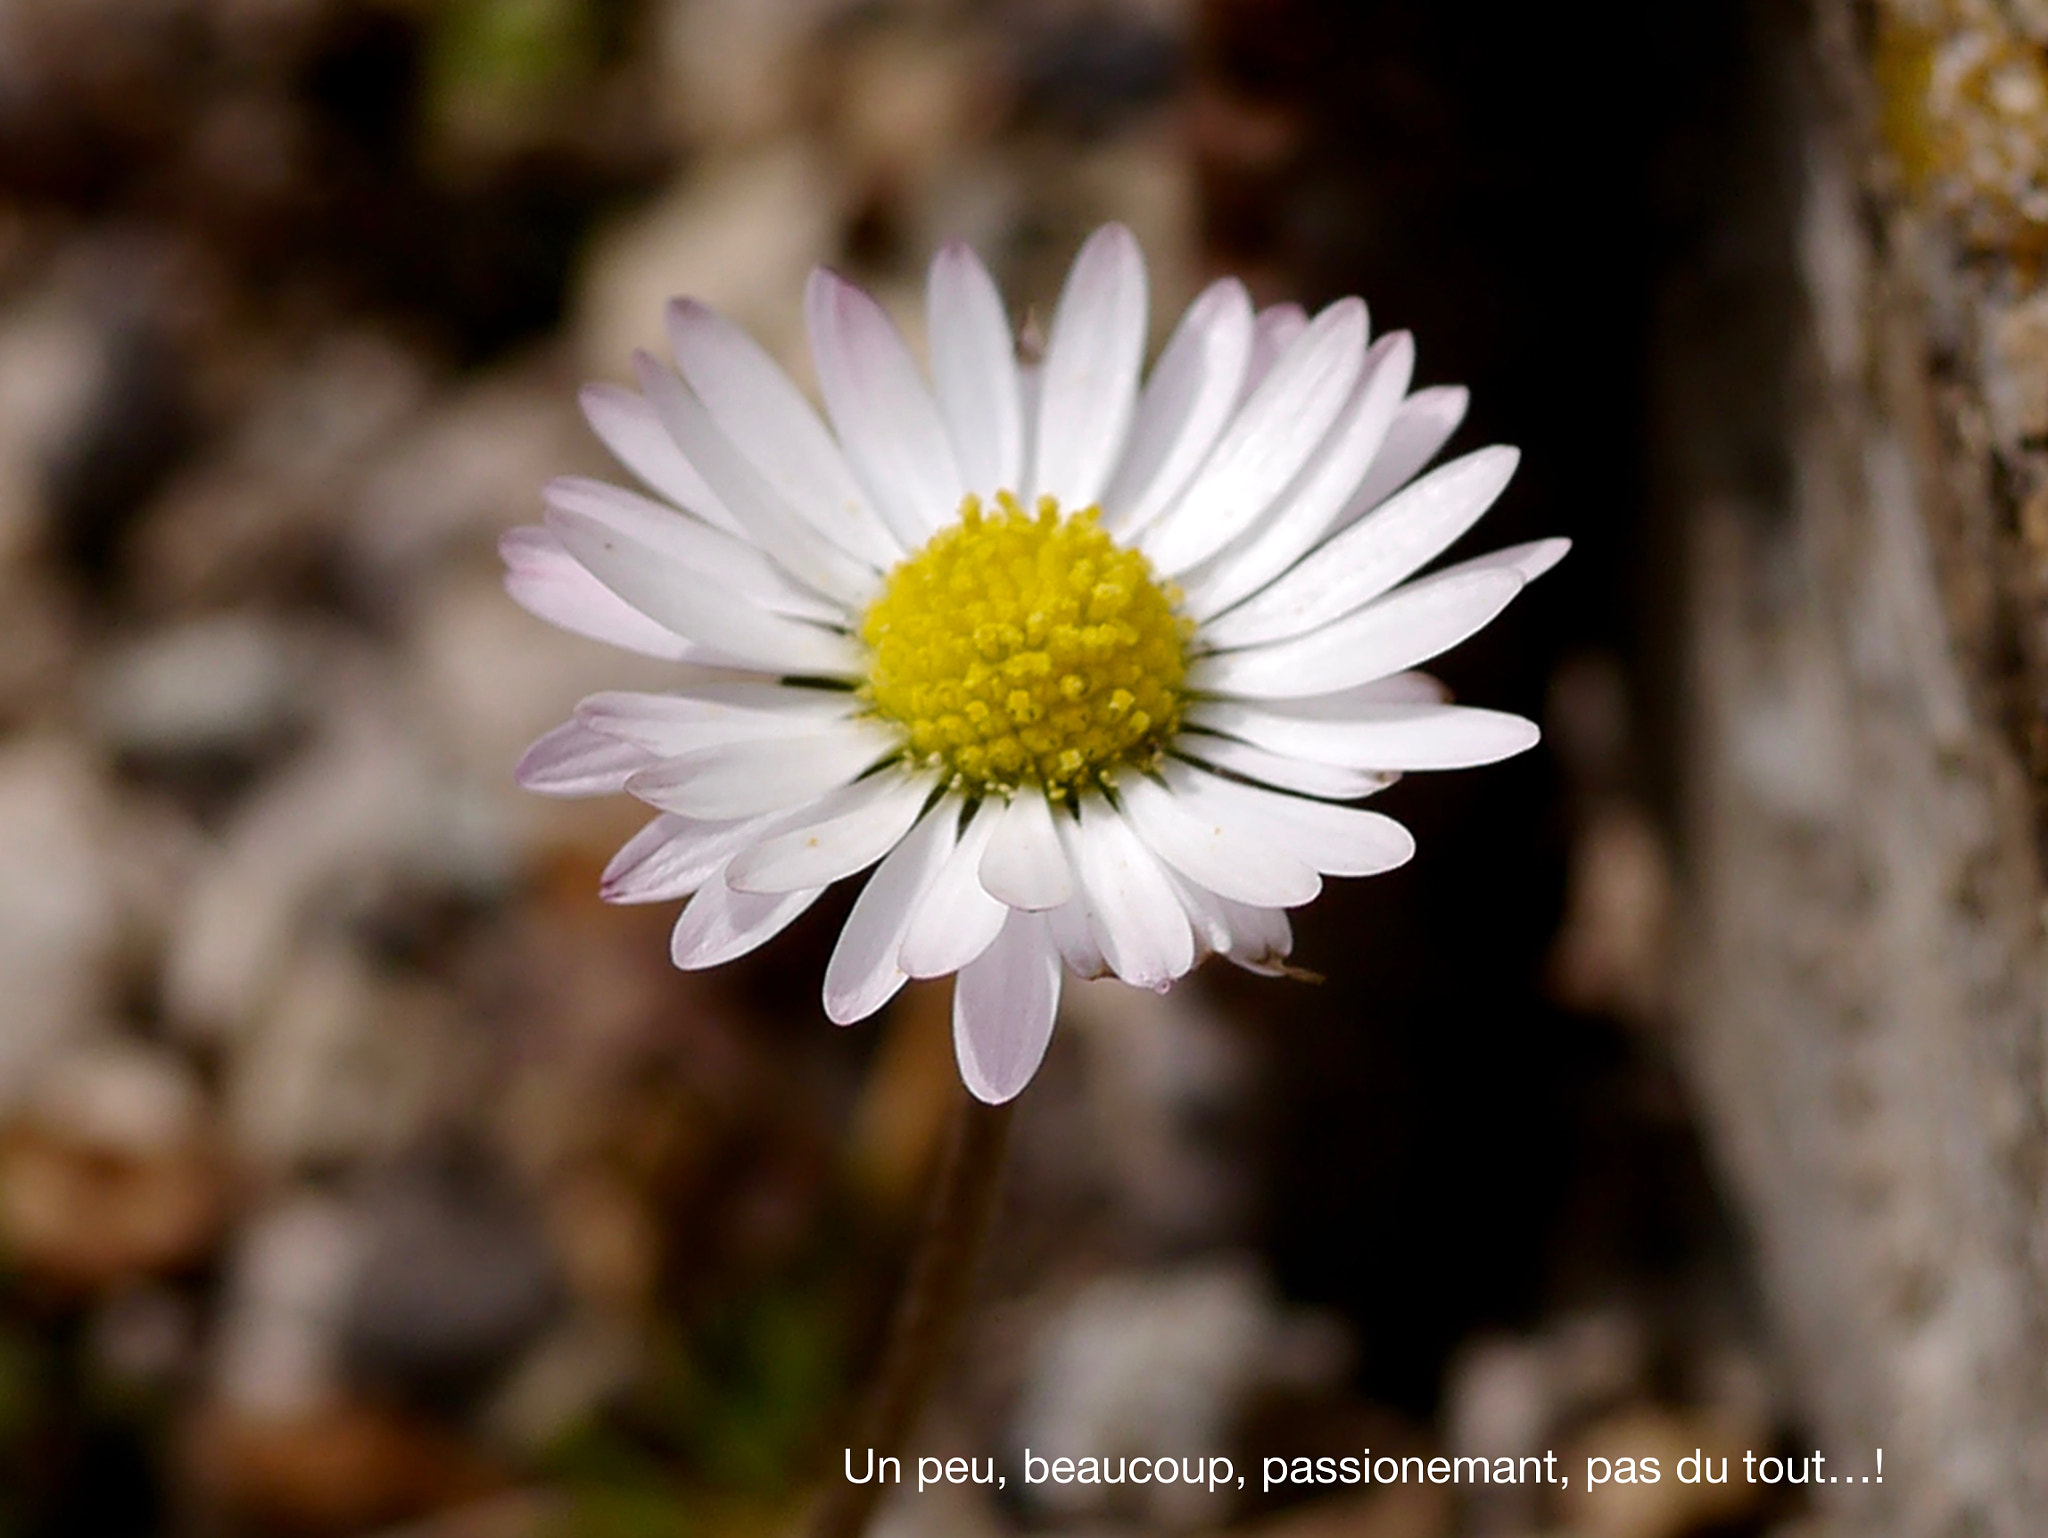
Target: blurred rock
<point>740,233</point>
<point>454,1282</point>
<point>1169,1087</point>
<point>909,101</point>
<point>598,1022</point>
<point>485,679</point>
<point>360,811</point>
<point>1087,69</point>
<point>564,1380</point>
<point>43,640</point>
<point>62,894</point>
<point>1671,1507</point>
<point>277,1345</point>
<point>1612,955</point>
<point>1582,1387</point>
<point>1161,1363</point>
<point>734,71</point>
<point>348,803</point>
<point>144,1337</point>
<point>54,360</point>
<point>125,1097</point>
<point>111,1177</point>
<point>1597,1358</point>
<point>334,1471</point>
<point>1734,1384</point>
<point>609,1241</point>
<point>1142,178</point>
<point>261,514</point>
<point>345,1064</point>
<point>468,469</point>
<point>1499,1402</point>
<point>2016,372</point>
<point>519,1514</point>
<point>1612,952</point>
<point>985,200</point>
<point>283,1440</point>
<point>1406,1511</point>
<point>229,685</point>
<point>944,1511</point>
<point>140,428</point>
<point>53,357</point>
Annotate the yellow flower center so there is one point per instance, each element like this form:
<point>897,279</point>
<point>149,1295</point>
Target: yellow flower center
<point>1024,648</point>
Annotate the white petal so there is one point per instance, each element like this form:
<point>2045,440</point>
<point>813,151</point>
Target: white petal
<point>1205,915</point>
<point>1003,1010</point>
<point>673,856</point>
<point>1088,386</point>
<point>1030,376</point>
<point>845,832</point>
<point>882,411</point>
<point>863,973</point>
<point>1215,852</point>
<point>1530,561</point>
<point>1274,330</point>
<point>1267,443</point>
<point>762,694</point>
<point>1327,781</point>
<point>573,760</point>
<point>1257,939</point>
<point>671,724</point>
<point>1379,736</point>
<point>766,418</point>
<point>680,598</point>
<point>1133,913</point>
<point>632,429</point>
<point>974,370</point>
<point>747,779</point>
<point>729,560</point>
<point>1336,840</point>
<point>1304,515</point>
<point>1408,626</point>
<point>1395,689</point>
<point>1260,938</point>
<point>956,919</point>
<point>805,552</point>
<point>1073,931</point>
<point>551,584</point>
<point>1357,565</point>
<point>1187,400</point>
<point>719,925</point>
<point>1423,425</point>
<point>1024,866</point>
<point>1345,704</point>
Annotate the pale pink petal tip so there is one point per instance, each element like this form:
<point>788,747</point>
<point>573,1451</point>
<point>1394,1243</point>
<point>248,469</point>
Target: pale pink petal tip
<point>1004,1005</point>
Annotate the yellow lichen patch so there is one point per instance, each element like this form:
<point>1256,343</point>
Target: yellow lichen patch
<point>1026,648</point>
<point>1964,99</point>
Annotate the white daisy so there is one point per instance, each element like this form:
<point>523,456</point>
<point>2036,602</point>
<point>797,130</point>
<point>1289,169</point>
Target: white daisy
<point>1087,667</point>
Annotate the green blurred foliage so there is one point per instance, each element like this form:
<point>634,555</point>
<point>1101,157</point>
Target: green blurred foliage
<point>729,1422</point>
<point>494,66</point>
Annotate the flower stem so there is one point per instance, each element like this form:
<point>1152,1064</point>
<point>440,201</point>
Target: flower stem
<point>928,1313</point>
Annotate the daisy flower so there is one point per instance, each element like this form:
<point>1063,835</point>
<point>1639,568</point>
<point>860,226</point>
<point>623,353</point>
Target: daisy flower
<point>1085,667</point>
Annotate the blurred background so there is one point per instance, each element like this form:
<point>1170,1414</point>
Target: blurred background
<point>361,1173</point>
